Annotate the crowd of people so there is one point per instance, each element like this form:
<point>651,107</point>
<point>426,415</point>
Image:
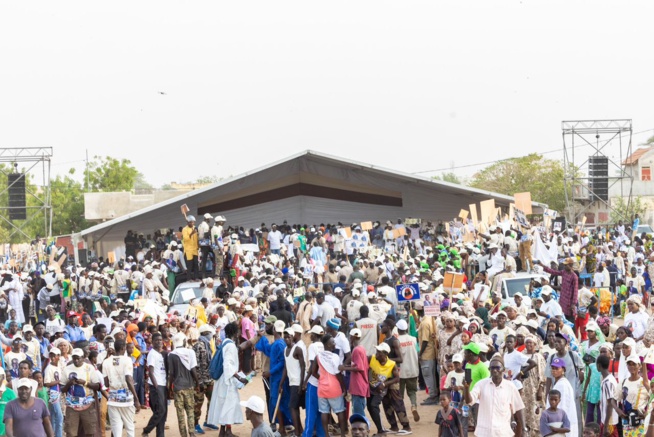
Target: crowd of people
<point>310,314</point>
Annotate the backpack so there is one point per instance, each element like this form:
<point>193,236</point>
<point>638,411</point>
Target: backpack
<point>216,365</point>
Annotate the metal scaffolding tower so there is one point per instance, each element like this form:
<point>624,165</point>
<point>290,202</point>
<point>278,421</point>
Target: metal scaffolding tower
<point>38,161</point>
<point>588,176</point>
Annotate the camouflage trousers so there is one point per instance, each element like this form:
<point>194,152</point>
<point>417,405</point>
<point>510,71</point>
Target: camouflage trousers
<point>199,400</point>
<point>185,404</point>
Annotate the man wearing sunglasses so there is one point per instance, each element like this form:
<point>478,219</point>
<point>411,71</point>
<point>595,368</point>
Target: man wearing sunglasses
<point>499,403</point>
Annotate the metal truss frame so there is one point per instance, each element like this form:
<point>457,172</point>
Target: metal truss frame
<point>39,158</point>
<point>597,134</point>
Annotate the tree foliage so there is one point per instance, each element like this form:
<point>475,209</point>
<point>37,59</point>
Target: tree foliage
<point>67,196</point>
<point>448,177</point>
<point>111,174</point>
<point>542,177</point>
<point>625,212</point>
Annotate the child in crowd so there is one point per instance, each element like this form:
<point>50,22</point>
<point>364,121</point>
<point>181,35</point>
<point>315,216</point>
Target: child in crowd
<point>591,430</point>
<point>41,391</point>
<point>449,367</point>
<point>448,418</point>
<point>554,421</point>
<point>454,381</point>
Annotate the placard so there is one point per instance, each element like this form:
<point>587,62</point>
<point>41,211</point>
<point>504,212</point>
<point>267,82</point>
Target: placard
<point>488,211</point>
<point>188,294</point>
<point>402,231</point>
<point>468,237</point>
<point>111,257</point>
<point>140,303</point>
<point>649,357</point>
<point>521,219</point>
<point>250,247</point>
<point>412,221</point>
<point>453,282</point>
<point>185,209</point>
<point>407,292</point>
<point>432,310</point>
<point>106,321</point>
<point>523,202</point>
<point>463,214</point>
<point>511,211</point>
<point>366,226</point>
<point>345,232</point>
<point>473,213</point>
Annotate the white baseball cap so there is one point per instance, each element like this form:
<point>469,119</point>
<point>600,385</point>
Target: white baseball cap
<point>383,347</point>
<point>317,329</point>
<point>355,333</point>
<point>279,326</point>
<point>208,216</point>
<point>255,403</point>
<point>402,325</point>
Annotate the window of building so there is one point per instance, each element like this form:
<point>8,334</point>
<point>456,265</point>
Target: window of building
<point>645,173</point>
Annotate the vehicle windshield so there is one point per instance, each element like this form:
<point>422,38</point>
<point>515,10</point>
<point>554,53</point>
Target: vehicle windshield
<point>644,228</point>
<point>514,285</point>
<point>181,293</point>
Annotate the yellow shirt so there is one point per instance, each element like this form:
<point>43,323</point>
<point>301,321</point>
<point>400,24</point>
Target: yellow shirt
<point>190,243</point>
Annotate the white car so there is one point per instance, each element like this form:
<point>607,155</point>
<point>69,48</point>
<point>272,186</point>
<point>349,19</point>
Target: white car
<point>520,283</point>
<point>182,296</point>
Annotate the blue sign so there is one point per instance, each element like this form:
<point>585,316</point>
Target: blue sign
<point>407,292</point>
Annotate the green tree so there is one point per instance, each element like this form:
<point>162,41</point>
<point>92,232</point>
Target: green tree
<point>111,174</point>
<point>448,177</point>
<point>625,212</point>
<point>141,184</point>
<point>67,198</point>
<point>542,177</point>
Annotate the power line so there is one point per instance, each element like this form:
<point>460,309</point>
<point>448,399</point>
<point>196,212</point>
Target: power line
<point>508,159</point>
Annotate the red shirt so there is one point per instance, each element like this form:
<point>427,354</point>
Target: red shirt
<point>359,385</point>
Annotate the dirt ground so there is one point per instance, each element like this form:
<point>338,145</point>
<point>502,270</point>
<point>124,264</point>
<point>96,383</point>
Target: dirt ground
<point>425,427</point>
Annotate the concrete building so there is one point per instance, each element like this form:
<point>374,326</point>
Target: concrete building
<point>639,165</point>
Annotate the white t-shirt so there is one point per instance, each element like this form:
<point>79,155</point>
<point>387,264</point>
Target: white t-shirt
<point>51,326</point>
<point>314,349</point>
<point>637,322</point>
<point>156,360</point>
<point>325,311</point>
<point>455,378</point>
<point>116,368</point>
<point>54,373</point>
<point>501,335</point>
<point>552,308</point>
<point>353,307</point>
<point>275,239</point>
<point>342,346</point>
<point>585,296</point>
<point>12,359</point>
<point>513,362</point>
<point>334,302</point>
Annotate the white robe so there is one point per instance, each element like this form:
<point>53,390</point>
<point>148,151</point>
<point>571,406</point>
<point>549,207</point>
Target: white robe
<point>225,407</point>
<point>16,299</point>
<point>567,404</point>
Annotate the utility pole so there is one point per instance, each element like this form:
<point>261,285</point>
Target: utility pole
<point>88,185</point>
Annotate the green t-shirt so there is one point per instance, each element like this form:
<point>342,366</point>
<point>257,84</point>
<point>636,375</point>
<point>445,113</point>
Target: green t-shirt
<point>479,371</point>
<point>43,395</point>
<point>7,396</point>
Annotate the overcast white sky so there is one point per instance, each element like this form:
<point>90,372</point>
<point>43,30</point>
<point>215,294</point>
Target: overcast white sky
<point>409,85</point>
